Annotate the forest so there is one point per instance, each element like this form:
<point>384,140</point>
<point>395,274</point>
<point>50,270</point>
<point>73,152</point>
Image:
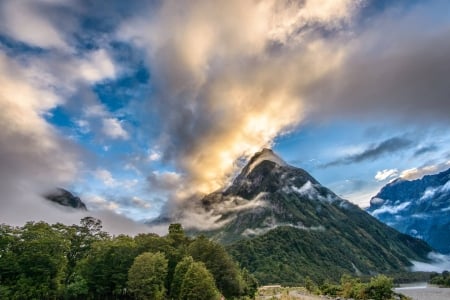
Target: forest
<point>56,261</point>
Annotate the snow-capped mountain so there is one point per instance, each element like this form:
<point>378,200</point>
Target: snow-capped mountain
<point>278,217</point>
<point>419,207</point>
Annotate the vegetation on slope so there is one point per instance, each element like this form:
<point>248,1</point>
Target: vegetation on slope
<point>287,255</point>
<point>42,261</point>
<point>441,279</point>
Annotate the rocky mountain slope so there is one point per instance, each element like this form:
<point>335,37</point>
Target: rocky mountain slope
<point>420,208</point>
<point>283,225</point>
<point>65,198</point>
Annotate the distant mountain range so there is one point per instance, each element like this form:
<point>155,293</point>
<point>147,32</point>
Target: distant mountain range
<point>65,198</point>
<point>282,225</point>
<point>420,208</point>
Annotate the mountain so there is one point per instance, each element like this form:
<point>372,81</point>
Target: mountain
<point>282,225</point>
<point>420,208</point>
<point>65,198</point>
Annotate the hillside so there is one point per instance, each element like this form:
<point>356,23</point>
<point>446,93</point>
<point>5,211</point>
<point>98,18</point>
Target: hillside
<point>283,225</point>
<point>418,207</point>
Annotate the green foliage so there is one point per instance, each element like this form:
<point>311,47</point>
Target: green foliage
<point>106,266</point>
<point>33,261</point>
<point>379,288</point>
<point>42,261</point>
<point>147,275</point>
<point>311,286</point>
<point>179,275</point>
<point>251,284</point>
<point>441,280</point>
<point>198,284</point>
<point>330,289</point>
<point>225,271</point>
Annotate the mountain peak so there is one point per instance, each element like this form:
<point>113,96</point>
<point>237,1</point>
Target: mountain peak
<point>65,198</point>
<point>267,172</point>
<point>263,155</point>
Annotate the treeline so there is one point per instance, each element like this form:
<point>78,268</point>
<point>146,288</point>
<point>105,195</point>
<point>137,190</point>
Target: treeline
<point>440,279</point>
<point>43,261</point>
<point>379,287</point>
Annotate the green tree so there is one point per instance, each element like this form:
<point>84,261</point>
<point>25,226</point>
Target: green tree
<point>198,284</point>
<point>9,269</point>
<point>251,284</point>
<point>224,269</point>
<point>151,242</point>
<point>178,277</point>
<point>80,238</point>
<point>41,262</point>
<point>147,275</point>
<point>106,266</point>
<point>179,243</point>
<point>380,288</point>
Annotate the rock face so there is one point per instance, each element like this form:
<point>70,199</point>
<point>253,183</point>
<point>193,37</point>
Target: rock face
<point>420,208</point>
<point>65,198</point>
<point>282,225</point>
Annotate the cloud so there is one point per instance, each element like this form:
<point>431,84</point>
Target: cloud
<point>33,157</point>
<point>106,177</point>
<point>220,89</point>
<point>425,149</point>
<point>376,151</point>
<point>164,180</point>
<point>415,173</point>
<point>439,263</point>
<point>396,69</point>
<point>97,66</point>
<point>24,21</point>
<point>223,90</point>
<point>112,128</point>
<point>385,174</point>
<point>391,209</point>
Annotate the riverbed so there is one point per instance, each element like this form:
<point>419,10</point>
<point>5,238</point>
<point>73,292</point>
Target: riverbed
<point>423,291</point>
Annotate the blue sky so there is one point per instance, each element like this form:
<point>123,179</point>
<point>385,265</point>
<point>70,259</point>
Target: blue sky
<point>138,106</point>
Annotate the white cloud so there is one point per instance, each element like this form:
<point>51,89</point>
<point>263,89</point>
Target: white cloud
<point>154,155</point>
<point>385,174</point>
<point>391,209</point>
<point>83,126</point>
<point>112,128</point>
<point>439,263</point>
<point>106,177</point>
<point>23,21</point>
<point>231,94</point>
<point>415,173</point>
<point>97,202</point>
<point>97,66</point>
<point>31,152</point>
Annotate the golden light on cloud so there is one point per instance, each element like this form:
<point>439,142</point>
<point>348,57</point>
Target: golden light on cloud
<point>230,85</point>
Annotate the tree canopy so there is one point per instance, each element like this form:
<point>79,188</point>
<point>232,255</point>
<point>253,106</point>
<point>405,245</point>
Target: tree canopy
<point>43,261</point>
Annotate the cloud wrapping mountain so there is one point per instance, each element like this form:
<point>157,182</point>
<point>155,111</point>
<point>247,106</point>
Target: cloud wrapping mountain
<point>224,80</point>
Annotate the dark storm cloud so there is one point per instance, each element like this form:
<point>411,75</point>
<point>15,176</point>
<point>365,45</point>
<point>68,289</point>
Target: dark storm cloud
<point>399,68</point>
<point>389,146</point>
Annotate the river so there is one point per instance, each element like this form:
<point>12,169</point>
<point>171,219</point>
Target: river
<point>423,291</point>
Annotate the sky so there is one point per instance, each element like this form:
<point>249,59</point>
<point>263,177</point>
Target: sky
<point>142,107</point>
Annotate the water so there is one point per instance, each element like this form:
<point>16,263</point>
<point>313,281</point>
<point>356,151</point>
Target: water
<point>423,291</point>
